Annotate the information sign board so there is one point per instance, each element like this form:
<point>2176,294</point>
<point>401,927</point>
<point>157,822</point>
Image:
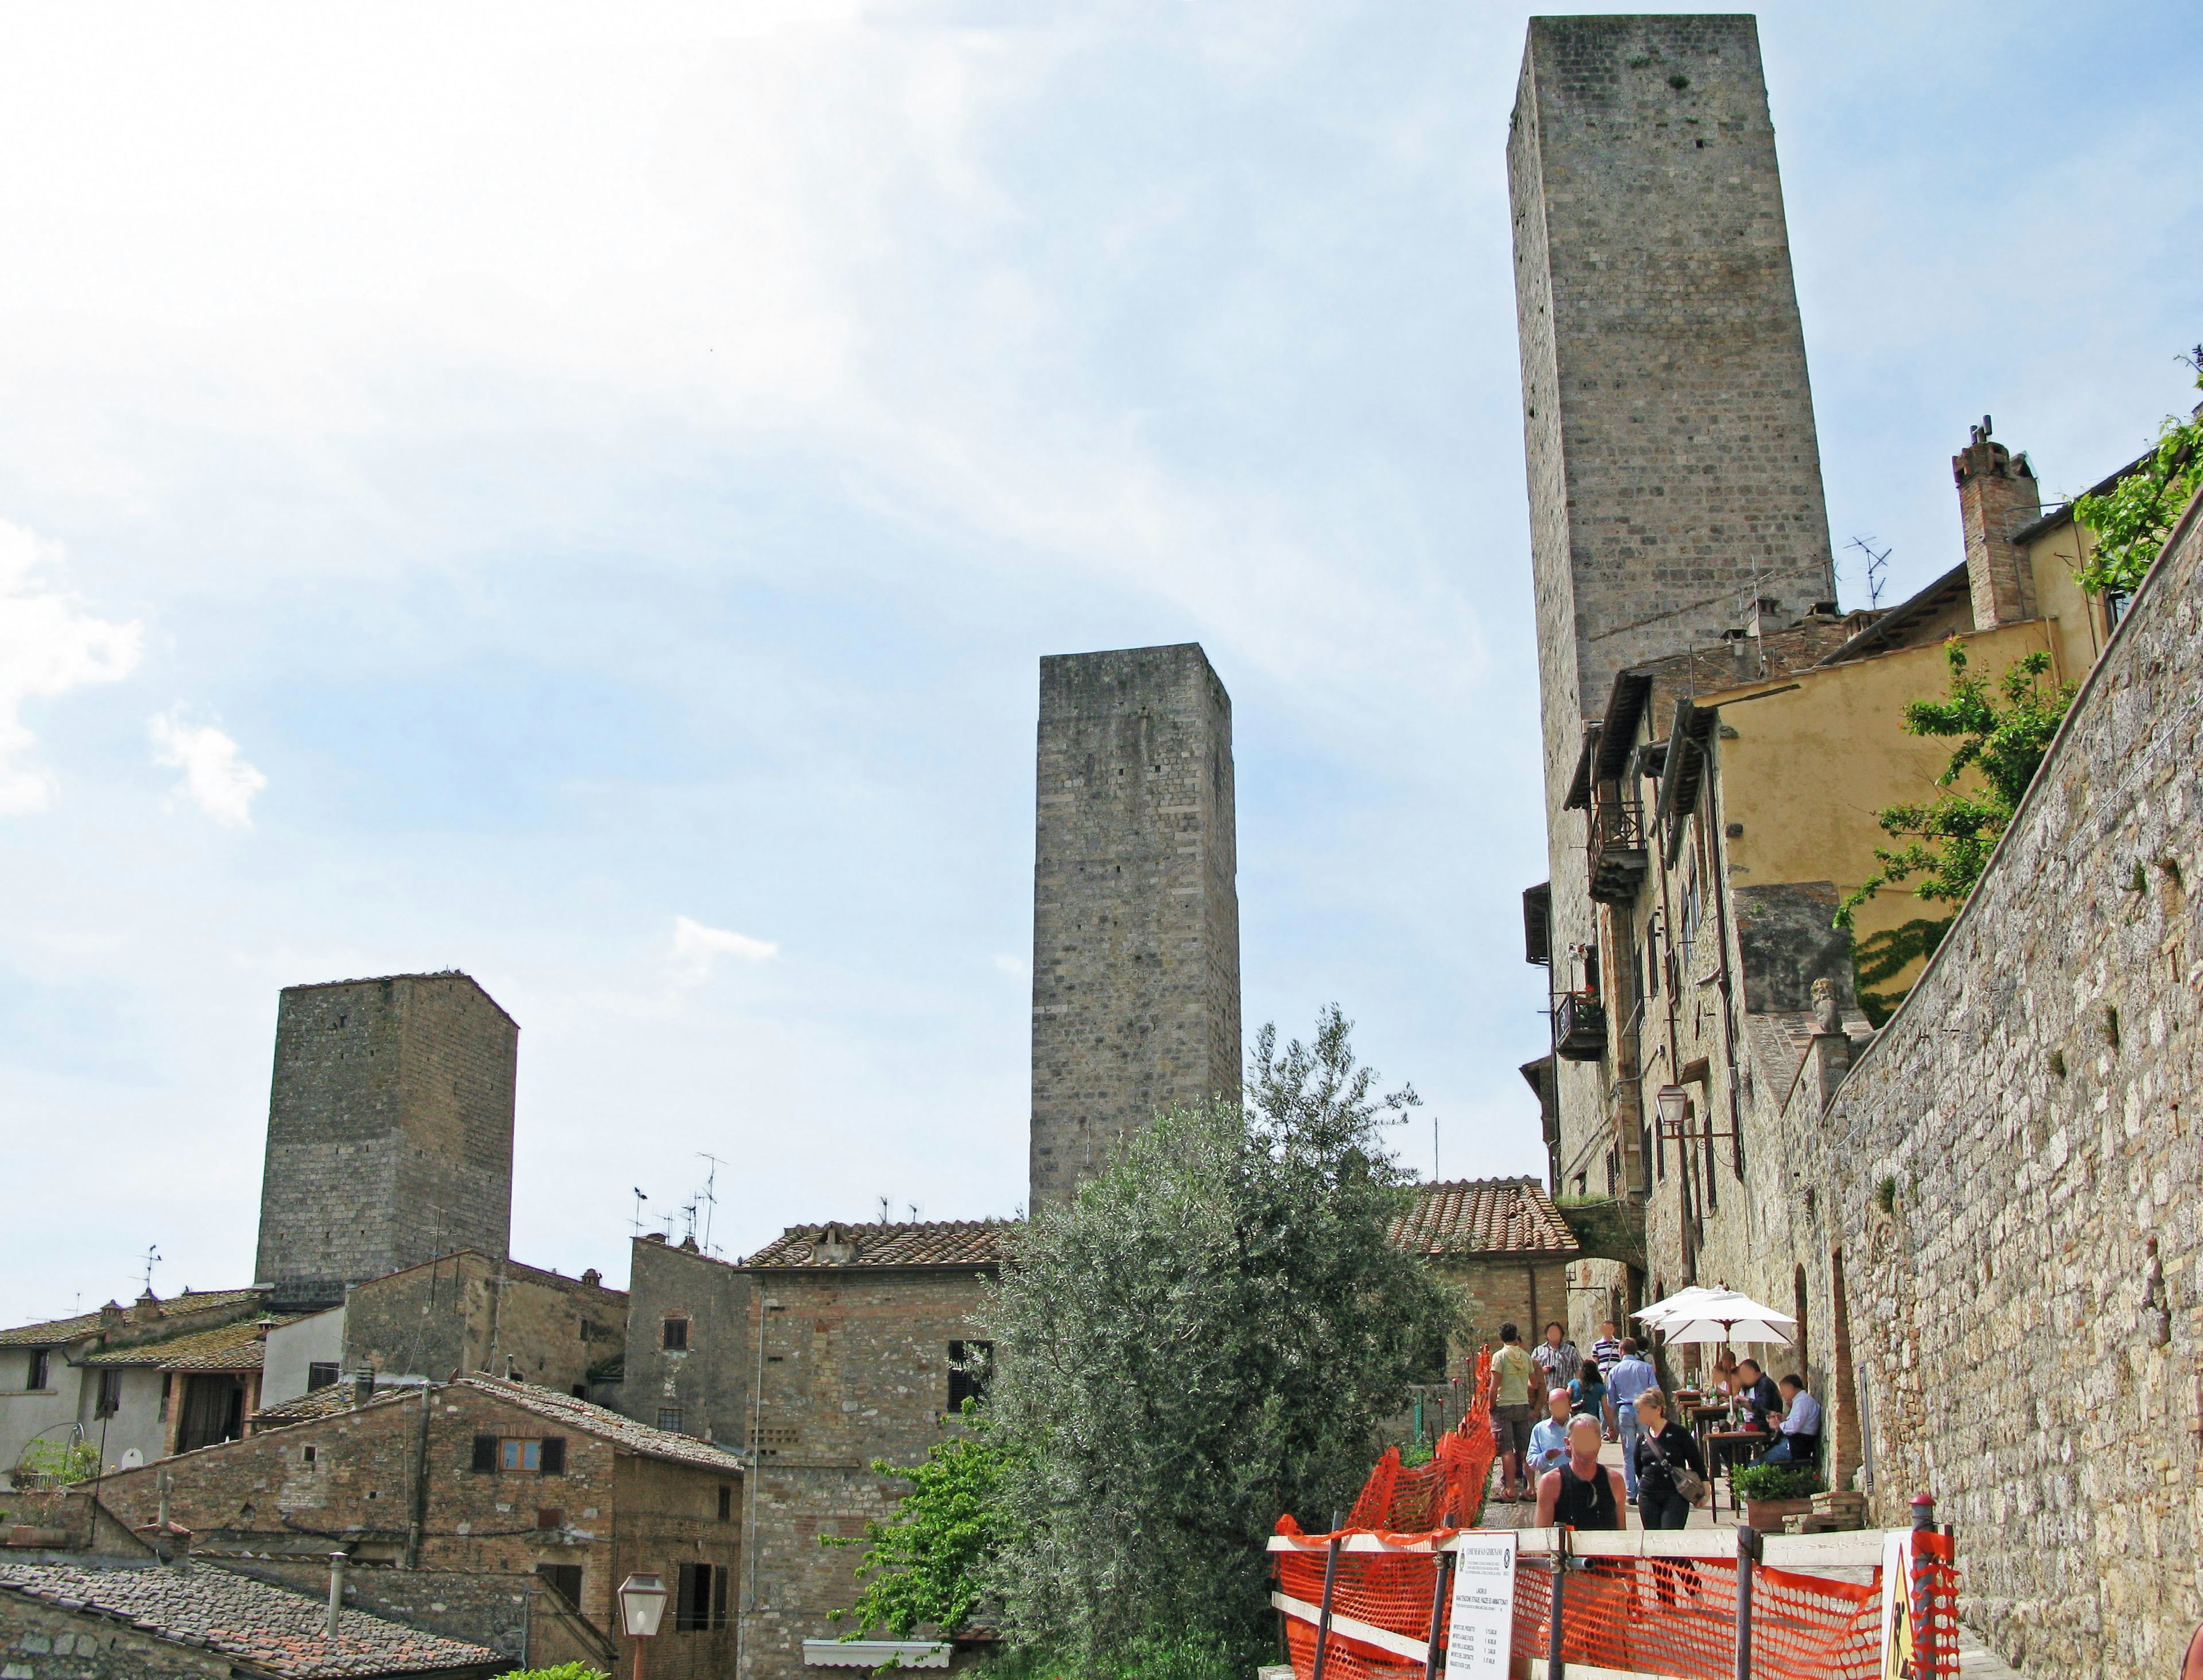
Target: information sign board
<point>1480,1631</point>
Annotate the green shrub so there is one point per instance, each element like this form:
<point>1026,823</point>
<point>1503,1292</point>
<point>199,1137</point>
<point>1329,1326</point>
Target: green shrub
<point>1772,1482</point>
<point>563,1671</point>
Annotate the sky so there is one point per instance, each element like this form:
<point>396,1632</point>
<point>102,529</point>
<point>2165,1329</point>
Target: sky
<point>579,495</point>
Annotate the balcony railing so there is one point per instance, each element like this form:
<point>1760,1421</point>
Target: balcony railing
<point>1618,859</point>
<point>1579,1027</point>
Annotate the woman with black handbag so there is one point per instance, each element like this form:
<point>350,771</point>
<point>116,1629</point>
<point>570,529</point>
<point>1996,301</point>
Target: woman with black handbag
<point>1671,1479</point>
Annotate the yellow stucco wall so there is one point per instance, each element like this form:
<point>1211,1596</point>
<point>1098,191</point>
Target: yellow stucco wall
<point>2076,618</point>
<point>1808,768</point>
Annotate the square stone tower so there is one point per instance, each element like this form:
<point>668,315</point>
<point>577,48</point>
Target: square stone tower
<point>389,1131</point>
<point>1674,472</point>
<point>1136,904</point>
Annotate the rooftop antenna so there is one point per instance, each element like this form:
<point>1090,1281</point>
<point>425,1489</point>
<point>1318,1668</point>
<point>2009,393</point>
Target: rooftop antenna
<point>640,1198</point>
<point>914,1212</point>
<point>709,1196</point>
<point>1434,1149</point>
<point>1876,563</point>
<point>886,1217</point>
<point>152,1259</point>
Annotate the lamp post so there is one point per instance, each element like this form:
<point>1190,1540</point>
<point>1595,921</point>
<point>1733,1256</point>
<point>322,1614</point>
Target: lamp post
<point>642,1607</point>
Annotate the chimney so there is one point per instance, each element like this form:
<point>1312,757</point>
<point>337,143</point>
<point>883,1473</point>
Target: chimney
<point>145,1309</point>
<point>1997,495</point>
<point>110,1316</point>
<point>593,1278</point>
<point>363,1387</point>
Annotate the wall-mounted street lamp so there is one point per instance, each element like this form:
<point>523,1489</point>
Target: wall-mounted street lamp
<point>642,1608</point>
<point>1674,1104</point>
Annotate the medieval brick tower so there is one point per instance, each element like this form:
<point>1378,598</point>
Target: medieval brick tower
<point>1136,908</point>
<point>1674,473</point>
<point>389,1131</point>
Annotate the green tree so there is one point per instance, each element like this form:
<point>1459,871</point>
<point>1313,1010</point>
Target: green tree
<point>2001,740</point>
<point>1205,1337</point>
<point>2132,519</point>
<point>927,1565</point>
<point>53,1463</point>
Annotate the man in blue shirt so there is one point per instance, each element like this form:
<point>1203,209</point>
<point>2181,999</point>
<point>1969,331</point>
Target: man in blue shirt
<point>1800,1413</point>
<point>1630,1377</point>
<point>1549,1440</point>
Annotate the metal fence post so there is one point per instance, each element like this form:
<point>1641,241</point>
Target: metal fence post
<point>1323,1611</point>
<point>1747,1557</point>
<point>1441,1572</point>
<point>1927,1657</point>
<point>1556,1664</point>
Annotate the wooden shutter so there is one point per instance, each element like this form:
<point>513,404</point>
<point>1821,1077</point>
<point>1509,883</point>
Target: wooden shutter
<point>719,1595</point>
<point>554,1455</point>
<point>486,1454</point>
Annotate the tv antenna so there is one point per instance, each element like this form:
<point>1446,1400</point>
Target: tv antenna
<point>1876,565</point>
<point>152,1259</point>
<point>709,1196</point>
<point>887,1217</point>
<point>640,1198</point>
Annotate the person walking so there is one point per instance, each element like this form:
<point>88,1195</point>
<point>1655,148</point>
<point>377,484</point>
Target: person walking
<point>1580,1490</point>
<point>1671,1476</point>
<point>1512,1373</point>
<point>1606,1352</point>
<point>1587,1394</point>
<point>1557,1357</point>
<point>1632,1375</point>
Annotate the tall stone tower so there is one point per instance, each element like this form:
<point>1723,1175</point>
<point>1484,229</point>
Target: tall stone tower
<point>1674,473</point>
<point>1135,906</point>
<point>389,1131</point>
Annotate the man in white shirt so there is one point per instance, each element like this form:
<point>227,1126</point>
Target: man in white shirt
<point>1800,1443</point>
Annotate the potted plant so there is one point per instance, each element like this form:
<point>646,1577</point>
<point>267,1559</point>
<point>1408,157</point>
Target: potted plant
<point>1772,1492</point>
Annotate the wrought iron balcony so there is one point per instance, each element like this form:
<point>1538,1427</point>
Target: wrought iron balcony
<point>1618,859</point>
<point>1579,1027</point>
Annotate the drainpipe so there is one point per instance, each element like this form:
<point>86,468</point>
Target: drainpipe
<point>417,1520</point>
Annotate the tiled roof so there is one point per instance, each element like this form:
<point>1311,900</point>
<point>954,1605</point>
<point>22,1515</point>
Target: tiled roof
<point>1483,1215</point>
<point>237,1346</point>
<point>55,1331</point>
<point>606,1425</point>
<point>941,1242</point>
<point>240,1617</point>
<point>323,1402</point>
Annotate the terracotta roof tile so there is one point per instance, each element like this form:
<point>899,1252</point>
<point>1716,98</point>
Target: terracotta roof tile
<point>237,1346</point>
<point>1484,1216</point>
<point>195,1604</point>
<point>56,1331</point>
<point>941,1242</point>
<point>606,1425</point>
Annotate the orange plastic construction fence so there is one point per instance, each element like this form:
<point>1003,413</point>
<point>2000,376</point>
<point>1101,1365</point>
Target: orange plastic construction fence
<point>1661,1616</point>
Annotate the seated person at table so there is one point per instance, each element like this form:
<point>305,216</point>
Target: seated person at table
<point>1763,1400</point>
<point>1587,1392</point>
<point>1800,1418</point>
<point>1581,1491</point>
<point>1724,1381</point>
<point>1549,1440</point>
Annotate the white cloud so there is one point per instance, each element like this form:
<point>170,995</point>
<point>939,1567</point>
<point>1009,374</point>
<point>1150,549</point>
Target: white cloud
<point>48,645</point>
<point>1013,966</point>
<point>695,947</point>
<point>216,777</point>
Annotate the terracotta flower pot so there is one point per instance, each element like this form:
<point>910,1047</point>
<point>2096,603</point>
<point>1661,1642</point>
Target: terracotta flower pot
<point>1767,1514</point>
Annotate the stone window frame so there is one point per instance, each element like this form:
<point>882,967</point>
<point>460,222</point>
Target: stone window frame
<point>673,1333</point>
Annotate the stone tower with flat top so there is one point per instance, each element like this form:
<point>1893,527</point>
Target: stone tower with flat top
<point>389,1131</point>
<point>1674,472</point>
<point>1136,904</point>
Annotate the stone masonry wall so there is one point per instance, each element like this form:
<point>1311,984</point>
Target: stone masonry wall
<point>707,1381</point>
<point>1136,908</point>
<point>2013,1170</point>
<point>856,1369</point>
<point>1668,423</point>
<point>44,1642</point>
<point>469,1312</point>
<point>389,1131</point>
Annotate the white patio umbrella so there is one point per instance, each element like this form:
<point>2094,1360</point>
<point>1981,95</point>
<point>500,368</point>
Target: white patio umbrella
<point>1725,1314</point>
<point>1678,1302</point>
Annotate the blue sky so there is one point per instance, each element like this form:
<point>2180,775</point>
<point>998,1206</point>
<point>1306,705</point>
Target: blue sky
<point>580,499</point>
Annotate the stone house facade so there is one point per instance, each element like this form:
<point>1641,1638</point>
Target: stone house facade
<point>866,1338</point>
<point>492,1511</point>
<point>689,1358</point>
<point>1503,1244</point>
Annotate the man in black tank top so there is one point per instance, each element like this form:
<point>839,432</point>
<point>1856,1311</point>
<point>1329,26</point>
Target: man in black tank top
<point>1582,1493</point>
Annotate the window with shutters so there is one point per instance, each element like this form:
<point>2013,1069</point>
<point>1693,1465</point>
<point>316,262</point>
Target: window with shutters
<point>971,1363</point>
<point>319,1375</point>
<point>486,1454</point>
<point>726,1503</point>
<point>701,1604</point>
<point>565,1579</point>
<point>676,1334</point>
<point>521,1455</point>
<point>42,1367</point>
<point>110,1394</point>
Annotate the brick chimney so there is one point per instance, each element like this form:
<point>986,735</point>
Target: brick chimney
<point>1997,495</point>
